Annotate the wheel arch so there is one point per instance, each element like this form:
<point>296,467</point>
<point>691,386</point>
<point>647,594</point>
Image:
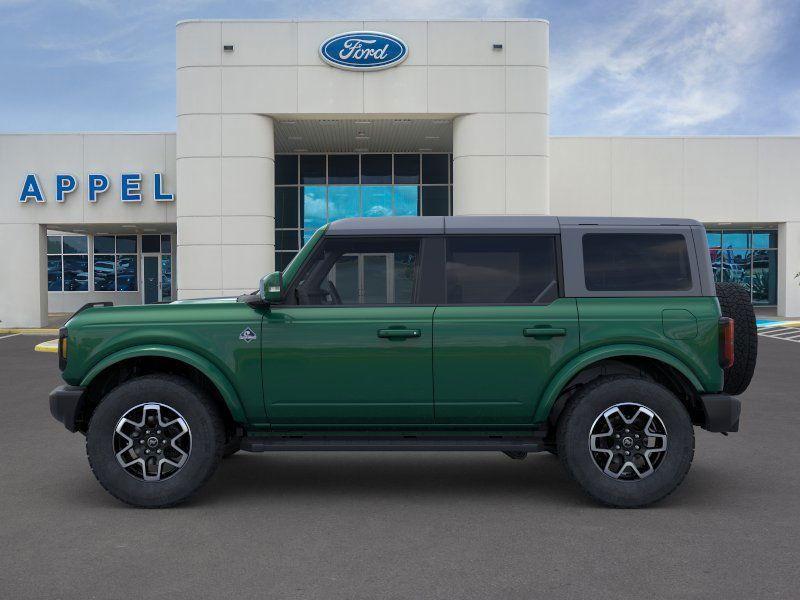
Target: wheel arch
<point>125,364</point>
<point>619,359</point>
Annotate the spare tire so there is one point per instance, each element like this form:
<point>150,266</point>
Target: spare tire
<point>734,300</point>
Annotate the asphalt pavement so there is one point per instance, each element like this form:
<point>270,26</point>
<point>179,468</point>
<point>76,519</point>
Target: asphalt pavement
<point>400,525</point>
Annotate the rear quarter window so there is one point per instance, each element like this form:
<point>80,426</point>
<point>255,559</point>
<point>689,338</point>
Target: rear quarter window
<point>639,262</point>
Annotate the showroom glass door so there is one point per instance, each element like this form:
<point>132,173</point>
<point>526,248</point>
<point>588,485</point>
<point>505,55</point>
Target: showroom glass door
<point>151,288</point>
<point>156,268</point>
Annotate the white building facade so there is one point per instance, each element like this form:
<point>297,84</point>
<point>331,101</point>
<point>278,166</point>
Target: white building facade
<point>277,135</point>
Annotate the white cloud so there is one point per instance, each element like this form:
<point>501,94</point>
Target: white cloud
<point>667,70</point>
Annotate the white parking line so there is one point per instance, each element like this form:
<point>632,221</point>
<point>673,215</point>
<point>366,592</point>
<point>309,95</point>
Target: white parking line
<point>790,334</point>
<point>2,337</point>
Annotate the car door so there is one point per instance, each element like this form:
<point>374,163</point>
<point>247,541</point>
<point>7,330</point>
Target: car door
<point>353,343</point>
<point>503,330</point>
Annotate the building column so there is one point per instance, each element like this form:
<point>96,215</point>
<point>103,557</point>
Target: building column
<point>501,164</point>
<point>226,221</point>
<point>24,275</point>
<point>788,265</point>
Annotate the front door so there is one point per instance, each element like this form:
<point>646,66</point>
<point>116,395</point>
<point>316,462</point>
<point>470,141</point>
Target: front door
<point>352,344</point>
<point>503,330</point>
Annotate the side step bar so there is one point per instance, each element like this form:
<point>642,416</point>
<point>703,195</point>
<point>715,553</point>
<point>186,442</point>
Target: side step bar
<point>390,443</point>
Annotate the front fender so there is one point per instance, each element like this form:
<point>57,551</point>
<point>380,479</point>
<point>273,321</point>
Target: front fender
<point>219,380</point>
<point>580,362</point>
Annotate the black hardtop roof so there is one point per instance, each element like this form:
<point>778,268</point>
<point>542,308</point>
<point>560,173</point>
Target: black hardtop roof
<point>488,224</point>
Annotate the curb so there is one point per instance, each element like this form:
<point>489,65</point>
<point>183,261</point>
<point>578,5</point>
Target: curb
<point>48,346</point>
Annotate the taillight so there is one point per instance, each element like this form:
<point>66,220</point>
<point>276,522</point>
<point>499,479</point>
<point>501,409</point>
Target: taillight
<point>62,348</point>
<point>726,342</point>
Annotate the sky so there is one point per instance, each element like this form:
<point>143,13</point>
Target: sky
<point>617,67</point>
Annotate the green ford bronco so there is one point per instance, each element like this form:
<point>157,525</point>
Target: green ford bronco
<point>600,340</point>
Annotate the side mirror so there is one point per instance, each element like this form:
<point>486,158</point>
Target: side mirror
<point>271,288</point>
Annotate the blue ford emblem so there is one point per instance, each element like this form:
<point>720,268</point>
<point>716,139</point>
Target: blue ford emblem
<point>363,50</point>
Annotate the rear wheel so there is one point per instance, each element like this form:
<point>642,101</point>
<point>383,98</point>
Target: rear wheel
<point>734,301</point>
<point>154,440</point>
<point>627,441</point>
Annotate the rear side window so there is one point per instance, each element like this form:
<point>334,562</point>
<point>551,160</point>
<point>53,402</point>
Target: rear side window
<point>645,262</point>
<point>501,270</point>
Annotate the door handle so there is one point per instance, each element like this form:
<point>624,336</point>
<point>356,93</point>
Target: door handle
<point>545,332</point>
<point>399,334</point>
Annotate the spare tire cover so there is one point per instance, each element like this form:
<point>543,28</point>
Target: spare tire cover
<point>734,300</point>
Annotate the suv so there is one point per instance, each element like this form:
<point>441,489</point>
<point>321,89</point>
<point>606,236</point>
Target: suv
<point>602,341</point>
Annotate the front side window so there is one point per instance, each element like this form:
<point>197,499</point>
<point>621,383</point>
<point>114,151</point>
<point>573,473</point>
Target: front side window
<point>501,270</point>
<point>636,262</point>
<point>361,271</point>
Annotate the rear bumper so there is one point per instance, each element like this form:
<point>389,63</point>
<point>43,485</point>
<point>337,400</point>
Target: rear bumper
<point>721,412</point>
<point>66,402</point>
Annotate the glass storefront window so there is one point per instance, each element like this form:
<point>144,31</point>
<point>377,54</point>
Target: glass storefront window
<point>376,201</point>
<point>166,276</point>
<point>314,189</point>
<point>343,201</point>
<point>126,273</point>
<point>406,202</point>
<point>54,274</point>
<point>314,206</point>
<point>104,272</point>
<point>749,258</point>
<point>312,168</point>
<point>67,263</point>
<point>76,273</point>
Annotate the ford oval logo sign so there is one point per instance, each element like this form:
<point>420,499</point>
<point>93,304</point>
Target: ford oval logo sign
<point>363,50</point>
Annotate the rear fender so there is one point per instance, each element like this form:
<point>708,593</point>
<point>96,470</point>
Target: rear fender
<point>582,361</point>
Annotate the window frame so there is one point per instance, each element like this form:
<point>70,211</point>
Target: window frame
<point>51,255</point>
<point>556,239</point>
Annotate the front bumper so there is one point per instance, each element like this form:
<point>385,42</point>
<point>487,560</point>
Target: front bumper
<point>721,412</point>
<point>66,405</point>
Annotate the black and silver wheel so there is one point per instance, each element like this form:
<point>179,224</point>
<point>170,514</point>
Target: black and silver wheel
<point>154,440</point>
<point>627,441</point>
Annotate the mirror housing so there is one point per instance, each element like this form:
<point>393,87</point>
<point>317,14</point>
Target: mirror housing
<point>271,287</point>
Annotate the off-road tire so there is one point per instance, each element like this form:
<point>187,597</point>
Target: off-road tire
<point>734,300</point>
<point>207,440</point>
<point>573,437</point>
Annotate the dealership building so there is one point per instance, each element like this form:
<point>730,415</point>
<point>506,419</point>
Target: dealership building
<point>283,126</point>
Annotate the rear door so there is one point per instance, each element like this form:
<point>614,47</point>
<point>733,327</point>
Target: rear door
<point>503,330</point>
<point>356,348</point>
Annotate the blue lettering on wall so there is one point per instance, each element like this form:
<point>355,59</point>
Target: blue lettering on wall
<point>65,184</point>
<point>31,190</point>
<point>98,183</point>
<point>131,188</point>
<point>158,195</point>
<point>363,51</point>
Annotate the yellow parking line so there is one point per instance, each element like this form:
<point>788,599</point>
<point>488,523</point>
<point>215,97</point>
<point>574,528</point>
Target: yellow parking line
<point>30,331</point>
<point>48,346</point>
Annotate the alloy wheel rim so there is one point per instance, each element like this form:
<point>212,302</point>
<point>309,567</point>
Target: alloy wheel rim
<point>152,441</point>
<point>628,441</point>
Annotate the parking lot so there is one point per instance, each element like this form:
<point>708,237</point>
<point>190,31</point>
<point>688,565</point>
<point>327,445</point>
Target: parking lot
<point>400,525</point>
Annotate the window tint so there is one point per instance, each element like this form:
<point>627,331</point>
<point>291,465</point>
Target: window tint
<point>350,272</point>
<point>636,262</point>
<point>501,270</point>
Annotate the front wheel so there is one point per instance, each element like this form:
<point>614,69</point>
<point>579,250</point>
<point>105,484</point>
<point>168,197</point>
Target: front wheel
<point>628,442</point>
<point>154,440</point>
